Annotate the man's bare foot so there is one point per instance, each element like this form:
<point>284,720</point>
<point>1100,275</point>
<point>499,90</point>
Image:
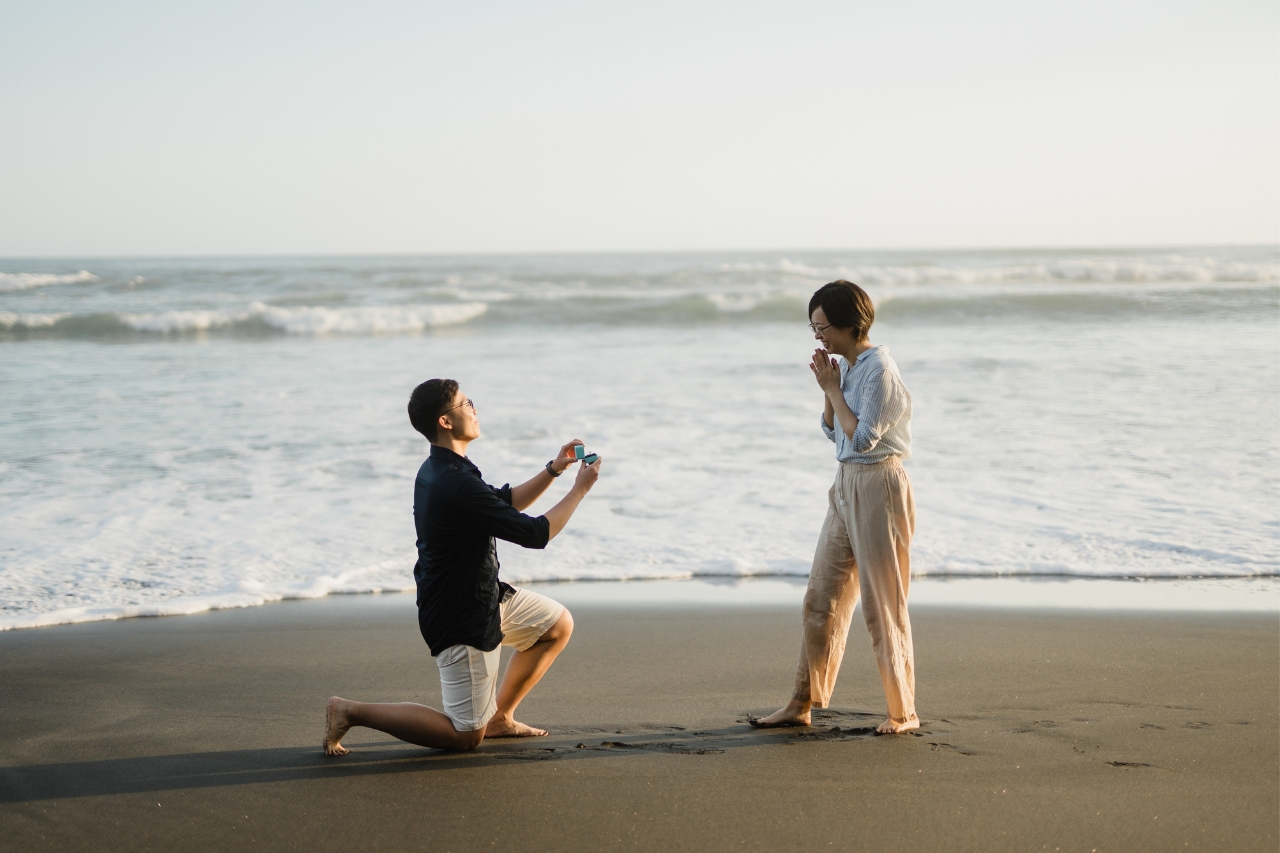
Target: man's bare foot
<point>511,728</point>
<point>796,713</point>
<point>335,726</point>
<point>893,727</point>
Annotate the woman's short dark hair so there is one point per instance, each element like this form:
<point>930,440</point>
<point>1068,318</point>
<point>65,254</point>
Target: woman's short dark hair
<point>846,305</point>
<point>428,402</point>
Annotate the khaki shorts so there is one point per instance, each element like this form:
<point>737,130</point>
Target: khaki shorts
<point>469,677</point>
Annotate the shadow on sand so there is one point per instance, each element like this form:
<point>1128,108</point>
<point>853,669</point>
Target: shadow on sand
<point>286,764</point>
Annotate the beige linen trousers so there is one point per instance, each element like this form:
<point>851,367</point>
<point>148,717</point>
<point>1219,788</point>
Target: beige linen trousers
<point>864,548</point>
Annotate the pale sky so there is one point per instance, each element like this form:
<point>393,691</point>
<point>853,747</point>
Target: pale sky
<point>161,128</point>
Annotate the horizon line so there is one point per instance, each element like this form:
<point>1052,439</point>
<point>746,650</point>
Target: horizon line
<point>1102,247</point>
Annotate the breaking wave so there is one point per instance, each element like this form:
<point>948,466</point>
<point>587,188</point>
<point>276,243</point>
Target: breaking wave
<point>26,280</point>
<point>1063,303</point>
<point>1173,268</point>
<point>257,318</point>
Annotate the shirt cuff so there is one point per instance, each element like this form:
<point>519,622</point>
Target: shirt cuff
<point>864,439</point>
<point>543,534</point>
<point>829,431</point>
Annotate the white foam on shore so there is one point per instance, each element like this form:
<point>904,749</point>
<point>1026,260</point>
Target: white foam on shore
<point>244,593</point>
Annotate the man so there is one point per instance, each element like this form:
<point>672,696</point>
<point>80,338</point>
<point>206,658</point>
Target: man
<point>464,612</point>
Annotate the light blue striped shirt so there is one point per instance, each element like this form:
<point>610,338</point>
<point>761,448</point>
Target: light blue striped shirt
<point>874,391</point>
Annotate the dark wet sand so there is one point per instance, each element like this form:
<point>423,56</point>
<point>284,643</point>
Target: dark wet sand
<point>1043,731</point>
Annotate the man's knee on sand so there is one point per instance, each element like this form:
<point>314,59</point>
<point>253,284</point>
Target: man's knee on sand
<point>467,741</point>
<point>557,635</point>
<point>561,631</point>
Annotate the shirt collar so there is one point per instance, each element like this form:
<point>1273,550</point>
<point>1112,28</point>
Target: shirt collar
<point>868,352</point>
<point>444,454</point>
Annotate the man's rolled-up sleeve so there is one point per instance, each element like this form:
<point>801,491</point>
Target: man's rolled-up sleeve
<point>491,511</point>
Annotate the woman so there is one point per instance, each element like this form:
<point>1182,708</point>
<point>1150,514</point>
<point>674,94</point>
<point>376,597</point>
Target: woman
<point>865,541</point>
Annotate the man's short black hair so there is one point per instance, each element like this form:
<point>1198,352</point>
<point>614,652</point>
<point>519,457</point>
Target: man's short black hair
<point>428,402</point>
<point>846,305</point>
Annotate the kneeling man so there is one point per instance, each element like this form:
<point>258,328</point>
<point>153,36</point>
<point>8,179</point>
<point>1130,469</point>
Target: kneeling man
<point>464,612</point>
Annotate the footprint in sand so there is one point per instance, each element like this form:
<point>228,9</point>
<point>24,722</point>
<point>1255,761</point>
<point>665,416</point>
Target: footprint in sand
<point>1139,765</point>
<point>660,746</point>
<point>528,755</point>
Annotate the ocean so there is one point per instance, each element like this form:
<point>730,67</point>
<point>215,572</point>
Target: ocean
<point>184,434</point>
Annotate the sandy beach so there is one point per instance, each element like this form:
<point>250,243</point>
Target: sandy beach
<point>1050,730</point>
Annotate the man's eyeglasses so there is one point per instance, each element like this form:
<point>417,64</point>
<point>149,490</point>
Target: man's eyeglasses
<point>466,402</point>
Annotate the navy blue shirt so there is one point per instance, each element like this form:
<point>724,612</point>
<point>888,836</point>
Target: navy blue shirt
<point>458,515</point>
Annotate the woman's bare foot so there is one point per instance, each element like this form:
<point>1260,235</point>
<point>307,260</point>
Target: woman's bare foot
<point>507,727</point>
<point>335,725</point>
<point>893,727</point>
<point>796,713</point>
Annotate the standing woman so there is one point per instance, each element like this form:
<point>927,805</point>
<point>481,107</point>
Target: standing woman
<point>866,538</point>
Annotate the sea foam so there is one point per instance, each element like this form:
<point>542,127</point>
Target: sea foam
<point>10,320</point>
<point>310,320</point>
<point>1175,268</point>
<point>242,593</point>
<point>26,280</point>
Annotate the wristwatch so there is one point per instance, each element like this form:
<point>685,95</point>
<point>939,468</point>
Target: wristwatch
<point>552,471</point>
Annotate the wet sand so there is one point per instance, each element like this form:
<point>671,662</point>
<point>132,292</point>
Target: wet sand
<point>1042,730</point>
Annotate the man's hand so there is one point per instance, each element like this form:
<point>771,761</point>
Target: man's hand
<point>558,516</point>
<point>566,457</point>
<point>826,371</point>
<point>523,495</point>
<point>587,476</point>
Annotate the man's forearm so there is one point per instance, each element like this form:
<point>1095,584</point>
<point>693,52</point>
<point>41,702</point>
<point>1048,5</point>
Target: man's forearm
<point>558,516</point>
<point>523,495</point>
